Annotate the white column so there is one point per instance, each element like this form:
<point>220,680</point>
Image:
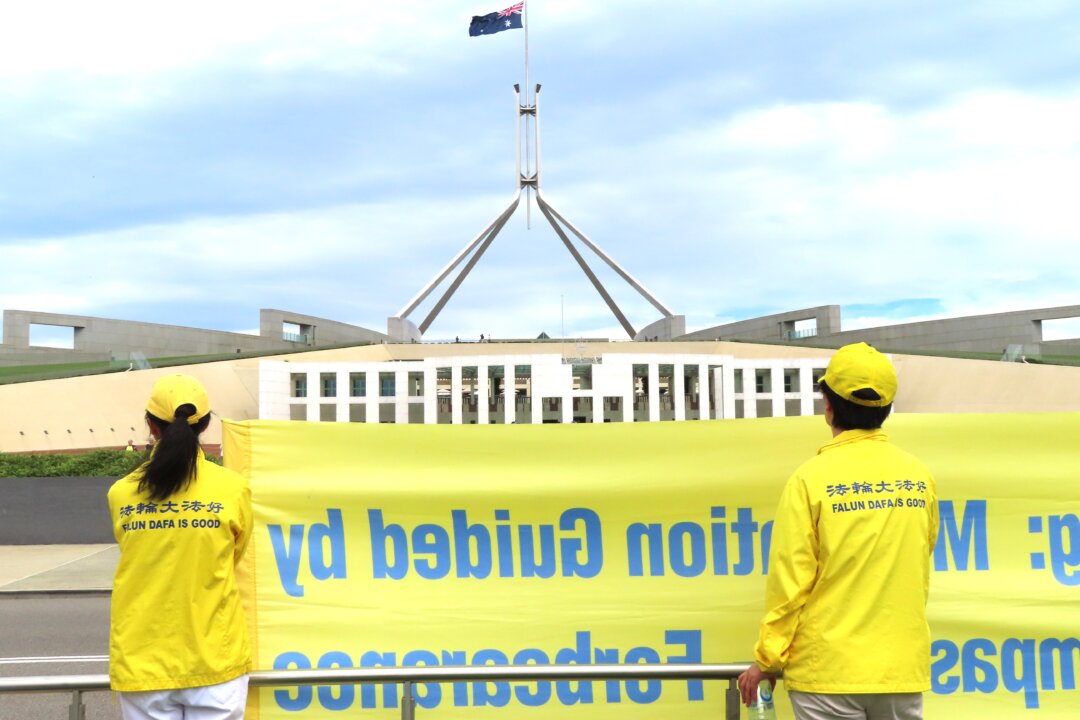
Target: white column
<point>679,391</point>
<point>806,388</point>
<point>776,381</point>
<point>749,389</point>
<point>401,396</point>
<point>654,391</point>
<point>724,391</point>
<point>455,393</point>
<point>314,394</point>
<point>482,394</point>
<point>704,398</point>
<point>537,413</point>
<point>509,394</point>
<point>342,398</point>
<point>431,396</point>
<point>371,398</point>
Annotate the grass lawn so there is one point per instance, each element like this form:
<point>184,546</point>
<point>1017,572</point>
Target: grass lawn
<point>29,373</point>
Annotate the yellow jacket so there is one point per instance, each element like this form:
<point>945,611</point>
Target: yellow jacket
<point>845,598</point>
<point>176,615</point>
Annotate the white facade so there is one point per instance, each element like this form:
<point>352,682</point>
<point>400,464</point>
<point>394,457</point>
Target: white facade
<point>615,387</point>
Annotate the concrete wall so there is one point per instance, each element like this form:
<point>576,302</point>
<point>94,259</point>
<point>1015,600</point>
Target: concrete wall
<point>118,338</point>
<point>665,328</point>
<point>323,331</point>
<point>107,339</point>
<point>772,328</point>
<point>55,510</point>
<point>978,333</point>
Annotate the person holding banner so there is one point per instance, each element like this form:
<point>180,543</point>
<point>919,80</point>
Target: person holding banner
<point>849,566</point>
<point>178,645</point>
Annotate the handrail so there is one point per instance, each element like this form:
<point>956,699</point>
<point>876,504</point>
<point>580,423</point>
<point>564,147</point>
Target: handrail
<point>410,676</point>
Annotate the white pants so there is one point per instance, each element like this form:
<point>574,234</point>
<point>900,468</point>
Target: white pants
<point>869,706</point>
<point>224,701</point>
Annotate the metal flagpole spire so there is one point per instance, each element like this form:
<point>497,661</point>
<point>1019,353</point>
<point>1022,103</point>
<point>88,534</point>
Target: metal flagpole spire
<point>528,162</point>
<point>400,328</point>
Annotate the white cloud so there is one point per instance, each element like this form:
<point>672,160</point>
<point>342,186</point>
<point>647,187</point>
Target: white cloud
<point>716,190</point>
<point>949,202</point>
<point>134,38</point>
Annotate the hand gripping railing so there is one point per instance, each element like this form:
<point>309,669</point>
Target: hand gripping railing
<point>410,676</point>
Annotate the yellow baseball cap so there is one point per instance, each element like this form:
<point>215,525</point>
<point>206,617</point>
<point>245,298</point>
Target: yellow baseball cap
<point>172,391</point>
<point>861,367</point>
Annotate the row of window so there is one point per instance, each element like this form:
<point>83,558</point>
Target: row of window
<point>357,385</point>
<point>388,383</point>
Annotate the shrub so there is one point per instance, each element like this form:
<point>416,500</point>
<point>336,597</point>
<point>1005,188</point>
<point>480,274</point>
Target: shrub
<point>98,463</point>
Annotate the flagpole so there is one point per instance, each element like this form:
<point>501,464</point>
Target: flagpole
<point>528,162</point>
<point>525,25</point>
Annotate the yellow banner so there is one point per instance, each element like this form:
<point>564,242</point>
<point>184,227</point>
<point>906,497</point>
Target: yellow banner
<point>391,545</point>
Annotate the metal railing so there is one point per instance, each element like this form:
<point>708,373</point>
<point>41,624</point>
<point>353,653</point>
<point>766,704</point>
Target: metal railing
<point>410,676</point>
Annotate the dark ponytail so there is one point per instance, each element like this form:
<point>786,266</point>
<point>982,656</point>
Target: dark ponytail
<point>172,465</point>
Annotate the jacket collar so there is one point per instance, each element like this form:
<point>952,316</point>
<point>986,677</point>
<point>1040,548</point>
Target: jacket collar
<point>852,436</point>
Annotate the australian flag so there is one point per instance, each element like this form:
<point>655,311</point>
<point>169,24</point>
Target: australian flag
<point>491,23</point>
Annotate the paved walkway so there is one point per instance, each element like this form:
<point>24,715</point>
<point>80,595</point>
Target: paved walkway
<point>57,568</point>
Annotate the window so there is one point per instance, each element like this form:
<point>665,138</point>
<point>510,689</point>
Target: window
<point>387,385</point>
<point>791,380</point>
<point>52,336</point>
<point>763,381</point>
<point>299,385</point>
<point>358,384</point>
<point>328,384</point>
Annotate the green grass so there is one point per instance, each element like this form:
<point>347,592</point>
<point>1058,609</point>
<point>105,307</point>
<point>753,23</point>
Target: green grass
<point>30,373</point>
<point>20,370</point>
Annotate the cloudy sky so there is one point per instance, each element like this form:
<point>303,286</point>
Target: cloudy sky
<point>190,163</point>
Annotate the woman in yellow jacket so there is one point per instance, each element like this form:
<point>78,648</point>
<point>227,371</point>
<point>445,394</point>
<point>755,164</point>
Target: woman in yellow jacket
<point>849,565</point>
<point>178,647</point>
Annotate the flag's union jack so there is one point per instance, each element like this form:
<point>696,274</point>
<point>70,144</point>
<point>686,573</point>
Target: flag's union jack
<point>512,18</point>
<point>513,9</point>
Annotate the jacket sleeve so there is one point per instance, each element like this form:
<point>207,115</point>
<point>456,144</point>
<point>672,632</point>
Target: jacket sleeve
<point>932,507</point>
<point>242,534</point>
<point>793,567</point>
<point>112,516</point>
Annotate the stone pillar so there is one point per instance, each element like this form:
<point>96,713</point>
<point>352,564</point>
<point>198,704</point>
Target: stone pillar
<point>374,395</point>
<point>806,388</point>
<point>455,393</point>
<point>704,396</point>
<point>482,394</point>
<point>401,396</point>
<point>678,391</point>
<point>654,390</point>
<point>431,395</point>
